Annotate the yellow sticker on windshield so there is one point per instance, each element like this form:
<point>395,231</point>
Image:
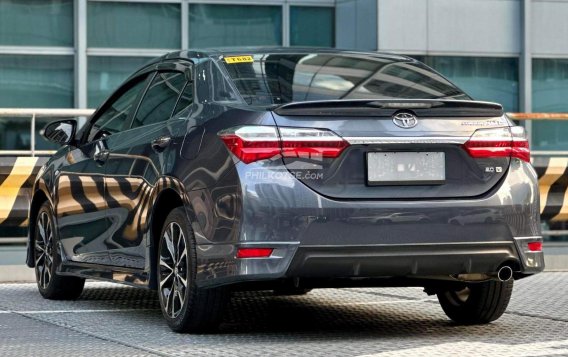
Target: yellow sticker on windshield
<point>239,59</point>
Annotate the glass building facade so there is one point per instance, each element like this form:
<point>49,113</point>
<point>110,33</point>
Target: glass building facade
<point>42,41</point>
<point>550,94</point>
<point>74,53</point>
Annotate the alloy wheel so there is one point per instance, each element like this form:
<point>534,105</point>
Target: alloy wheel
<point>173,270</point>
<point>44,250</point>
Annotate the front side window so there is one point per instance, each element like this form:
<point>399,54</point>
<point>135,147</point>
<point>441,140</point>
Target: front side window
<point>113,118</point>
<point>160,99</point>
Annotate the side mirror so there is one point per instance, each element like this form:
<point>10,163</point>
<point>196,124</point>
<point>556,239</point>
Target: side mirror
<point>61,132</point>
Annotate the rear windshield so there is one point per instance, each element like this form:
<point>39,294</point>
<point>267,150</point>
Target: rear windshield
<point>268,79</point>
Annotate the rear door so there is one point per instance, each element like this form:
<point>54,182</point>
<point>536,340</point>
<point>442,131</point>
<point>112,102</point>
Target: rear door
<point>139,157</point>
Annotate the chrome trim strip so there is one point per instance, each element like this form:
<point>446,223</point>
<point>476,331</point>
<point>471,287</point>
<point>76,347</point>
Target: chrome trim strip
<point>357,140</point>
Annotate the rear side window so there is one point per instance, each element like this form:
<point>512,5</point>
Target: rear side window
<point>184,100</point>
<point>160,99</point>
<point>268,79</point>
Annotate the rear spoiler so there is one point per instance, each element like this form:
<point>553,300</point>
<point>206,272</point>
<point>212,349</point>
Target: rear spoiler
<point>388,107</point>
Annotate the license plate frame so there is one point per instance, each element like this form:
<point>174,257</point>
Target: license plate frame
<point>418,168</point>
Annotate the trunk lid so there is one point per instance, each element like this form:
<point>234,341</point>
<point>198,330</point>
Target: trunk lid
<point>436,138</point>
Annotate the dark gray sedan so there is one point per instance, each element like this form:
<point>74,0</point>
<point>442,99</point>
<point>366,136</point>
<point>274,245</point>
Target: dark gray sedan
<point>288,170</point>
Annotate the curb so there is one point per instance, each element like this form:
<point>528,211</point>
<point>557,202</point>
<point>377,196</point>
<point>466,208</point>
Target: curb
<point>16,273</point>
<point>553,262</point>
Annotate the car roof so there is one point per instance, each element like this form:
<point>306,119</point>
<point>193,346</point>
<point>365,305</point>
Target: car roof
<point>196,54</point>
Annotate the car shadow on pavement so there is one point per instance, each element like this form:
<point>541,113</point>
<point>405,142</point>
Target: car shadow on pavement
<point>321,314</point>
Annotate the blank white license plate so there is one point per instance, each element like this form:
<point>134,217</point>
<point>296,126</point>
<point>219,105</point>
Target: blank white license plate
<point>406,168</point>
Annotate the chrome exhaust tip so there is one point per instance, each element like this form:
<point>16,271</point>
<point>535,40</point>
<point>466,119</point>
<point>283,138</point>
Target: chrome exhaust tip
<point>505,273</point>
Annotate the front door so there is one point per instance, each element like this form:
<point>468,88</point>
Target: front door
<point>84,227</point>
<point>80,205</point>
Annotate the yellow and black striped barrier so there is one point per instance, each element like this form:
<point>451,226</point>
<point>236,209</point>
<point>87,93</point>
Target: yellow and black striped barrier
<point>19,166</point>
<point>553,183</point>
<point>17,175</point>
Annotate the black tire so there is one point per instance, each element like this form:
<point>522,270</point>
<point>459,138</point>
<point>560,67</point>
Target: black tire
<point>478,303</point>
<point>47,259</point>
<point>186,308</point>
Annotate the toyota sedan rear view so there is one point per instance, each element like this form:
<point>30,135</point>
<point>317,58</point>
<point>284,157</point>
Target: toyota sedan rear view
<point>288,169</point>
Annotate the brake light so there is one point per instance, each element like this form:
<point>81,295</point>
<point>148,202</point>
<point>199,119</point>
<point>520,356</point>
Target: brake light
<point>499,142</point>
<point>521,148</point>
<point>300,142</point>
<point>253,143</point>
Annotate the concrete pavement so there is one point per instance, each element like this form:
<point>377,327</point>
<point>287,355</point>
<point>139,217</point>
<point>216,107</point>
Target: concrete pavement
<point>112,320</point>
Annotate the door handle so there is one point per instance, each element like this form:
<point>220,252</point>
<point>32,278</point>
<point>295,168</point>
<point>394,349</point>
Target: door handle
<point>159,144</point>
<point>101,156</point>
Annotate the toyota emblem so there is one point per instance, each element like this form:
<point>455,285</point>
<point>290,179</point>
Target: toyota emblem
<point>405,120</point>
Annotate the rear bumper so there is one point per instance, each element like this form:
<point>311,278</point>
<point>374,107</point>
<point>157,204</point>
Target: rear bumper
<point>407,260</point>
<point>428,260</point>
<point>317,237</point>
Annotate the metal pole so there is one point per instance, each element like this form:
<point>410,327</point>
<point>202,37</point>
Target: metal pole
<point>286,25</point>
<point>184,25</point>
<point>377,29</point>
<point>32,135</point>
<point>80,54</point>
<point>525,67</point>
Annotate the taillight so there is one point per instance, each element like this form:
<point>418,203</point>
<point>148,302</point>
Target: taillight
<point>521,148</point>
<point>300,142</point>
<point>253,143</point>
<point>499,142</point>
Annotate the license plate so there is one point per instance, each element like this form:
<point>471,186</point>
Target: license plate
<point>406,168</point>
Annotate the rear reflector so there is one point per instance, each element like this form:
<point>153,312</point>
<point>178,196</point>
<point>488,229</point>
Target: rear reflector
<point>499,142</point>
<point>253,143</point>
<point>254,252</point>
<point>535,246</point>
